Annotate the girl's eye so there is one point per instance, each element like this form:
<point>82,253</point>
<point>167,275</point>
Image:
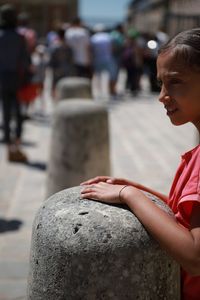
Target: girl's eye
<point>159,83</point>
<point>175,81</point>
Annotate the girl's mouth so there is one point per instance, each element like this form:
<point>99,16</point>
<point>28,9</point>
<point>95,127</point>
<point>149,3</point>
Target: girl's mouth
<point>171,111</point>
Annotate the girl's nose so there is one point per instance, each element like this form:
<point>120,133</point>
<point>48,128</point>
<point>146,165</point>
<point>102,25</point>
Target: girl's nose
<point>163,96</point>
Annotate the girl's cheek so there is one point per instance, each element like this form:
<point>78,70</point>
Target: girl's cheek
<point>177,92</point>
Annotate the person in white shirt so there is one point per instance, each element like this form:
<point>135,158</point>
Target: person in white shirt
<point>78,38</point>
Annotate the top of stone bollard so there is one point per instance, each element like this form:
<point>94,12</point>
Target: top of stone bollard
<point>68,206</point>
<point>78,106</point>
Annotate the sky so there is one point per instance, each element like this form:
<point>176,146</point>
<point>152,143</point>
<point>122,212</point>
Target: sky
<point>103,9</point>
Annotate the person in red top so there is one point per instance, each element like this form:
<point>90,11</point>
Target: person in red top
<point>178,71</point>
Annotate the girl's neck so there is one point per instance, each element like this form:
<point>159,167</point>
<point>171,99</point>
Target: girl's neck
<point>197,125</point>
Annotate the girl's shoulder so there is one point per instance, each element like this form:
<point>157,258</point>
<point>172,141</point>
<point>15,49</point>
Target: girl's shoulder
<point>193,153</point>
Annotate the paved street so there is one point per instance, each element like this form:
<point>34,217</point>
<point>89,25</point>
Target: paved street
<point>144,146</point>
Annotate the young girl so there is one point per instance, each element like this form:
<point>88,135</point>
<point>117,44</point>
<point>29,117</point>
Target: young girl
<point>178,71</point>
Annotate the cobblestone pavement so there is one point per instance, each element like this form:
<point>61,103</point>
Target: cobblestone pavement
<point>144,146</point>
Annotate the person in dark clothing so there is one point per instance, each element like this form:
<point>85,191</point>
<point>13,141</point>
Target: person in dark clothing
<point>132,60</point>
<point>14,65</point>
<point>61,59</point>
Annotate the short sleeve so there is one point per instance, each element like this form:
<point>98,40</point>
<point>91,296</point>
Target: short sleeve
<point>185,206</point>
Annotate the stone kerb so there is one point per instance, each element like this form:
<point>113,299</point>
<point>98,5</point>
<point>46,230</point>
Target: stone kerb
<point>73,87</point>
<point>79,144</point>
<point>88,250</point>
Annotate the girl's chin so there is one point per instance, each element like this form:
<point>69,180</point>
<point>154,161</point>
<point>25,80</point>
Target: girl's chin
<point>177,122</point>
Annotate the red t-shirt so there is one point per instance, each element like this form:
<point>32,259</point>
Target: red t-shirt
<point>185,191</point>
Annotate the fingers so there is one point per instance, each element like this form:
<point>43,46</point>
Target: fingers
<point>107,179</point>
<point>88,189</point>
<point>113,180</point>
<point>92,189</point>
<point>102,191</point>
<point>95,180</point>
<point>89,192</point>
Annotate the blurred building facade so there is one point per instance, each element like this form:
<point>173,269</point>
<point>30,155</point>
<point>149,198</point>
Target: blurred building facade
<point>45,13</point>
<point>172,16</point>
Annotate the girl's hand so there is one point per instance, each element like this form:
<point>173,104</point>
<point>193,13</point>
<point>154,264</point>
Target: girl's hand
<point>96,180</point>
<point>103,191</point>
<point>107,179</point>
<point>121,181</point>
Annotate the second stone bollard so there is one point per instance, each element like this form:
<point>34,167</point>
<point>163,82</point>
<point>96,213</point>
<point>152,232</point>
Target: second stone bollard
<point>87,250</point>
<point>73,87</point>
<point>79,144</point>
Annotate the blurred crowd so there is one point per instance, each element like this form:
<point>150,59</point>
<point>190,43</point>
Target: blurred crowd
<point>69,49</point>
<point>91,51</point>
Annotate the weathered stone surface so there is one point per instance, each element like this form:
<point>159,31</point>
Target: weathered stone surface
<point>79,144</point>
<point>73,87</point>
<point>87,250</point>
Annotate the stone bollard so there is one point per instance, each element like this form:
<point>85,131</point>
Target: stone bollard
<point>88,250</point>
<point>73,87</point>
<point>79,144</point>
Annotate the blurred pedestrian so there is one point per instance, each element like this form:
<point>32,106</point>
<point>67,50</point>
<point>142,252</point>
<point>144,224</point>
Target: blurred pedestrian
<point>30,36</point>
<point>34,89</point>
<point>28,32</point>
<point>14,64</point>
<point>133,61</point>
<point>102,56</point>
<point>52,35</point>
<point>39,63</point>
<point>61,60</point>
<point>78,38</point>
<point>118,39</point>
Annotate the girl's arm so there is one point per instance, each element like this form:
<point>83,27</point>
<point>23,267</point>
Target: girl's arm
<point>141,187</point>
<point>183,245</point>
<point>122,181</point>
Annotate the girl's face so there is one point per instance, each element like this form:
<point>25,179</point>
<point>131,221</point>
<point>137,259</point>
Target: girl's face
<point>180,90</point>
